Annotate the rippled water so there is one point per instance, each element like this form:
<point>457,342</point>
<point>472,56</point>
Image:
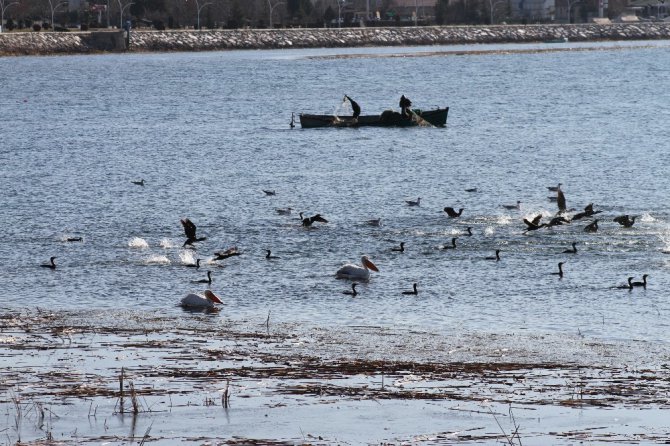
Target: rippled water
<point>208,131</point>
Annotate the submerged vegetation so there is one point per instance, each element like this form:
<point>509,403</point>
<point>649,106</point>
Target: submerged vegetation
<point>62,360</point>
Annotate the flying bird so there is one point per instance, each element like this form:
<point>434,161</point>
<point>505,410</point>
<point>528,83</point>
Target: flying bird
<point>560,200</point>
<point>451,212</point>
<point>592,227</point>
<point>190,231</point>
<point>308,221</point>
<point>534,224</point>
<point>625,220</point>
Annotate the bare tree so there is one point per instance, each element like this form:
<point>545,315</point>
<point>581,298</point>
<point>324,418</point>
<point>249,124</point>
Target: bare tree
<point>3,8</point>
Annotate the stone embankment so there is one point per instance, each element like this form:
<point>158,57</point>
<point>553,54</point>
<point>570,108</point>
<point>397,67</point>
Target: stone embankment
<point>87,42</point>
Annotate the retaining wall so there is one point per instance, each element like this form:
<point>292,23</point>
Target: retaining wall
<point>88,42</point>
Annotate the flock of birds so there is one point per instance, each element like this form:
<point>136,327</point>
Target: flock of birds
<point>358,273</point>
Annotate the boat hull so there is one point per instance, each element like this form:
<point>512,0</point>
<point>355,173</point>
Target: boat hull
<point>429,118</point>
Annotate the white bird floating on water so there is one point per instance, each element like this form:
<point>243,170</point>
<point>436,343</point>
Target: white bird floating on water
<point>195,301</point>
<point>357,272</point>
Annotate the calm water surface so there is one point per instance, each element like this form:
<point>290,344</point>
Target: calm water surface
<point>208,131</point>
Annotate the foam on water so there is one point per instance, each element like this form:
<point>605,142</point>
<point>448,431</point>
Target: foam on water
<point>157,259</point>
<point>138,243</point>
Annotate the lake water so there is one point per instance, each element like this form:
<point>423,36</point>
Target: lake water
<point>209,131</point>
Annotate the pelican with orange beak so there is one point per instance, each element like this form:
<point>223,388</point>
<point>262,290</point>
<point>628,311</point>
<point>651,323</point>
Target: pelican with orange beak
<point>198,301</point>
<point>357,272</point>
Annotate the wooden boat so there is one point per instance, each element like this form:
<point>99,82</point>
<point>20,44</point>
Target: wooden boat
<point>389,118</point>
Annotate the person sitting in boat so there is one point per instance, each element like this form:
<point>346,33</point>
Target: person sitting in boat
<point>354,106</point>
<point>405,104</point>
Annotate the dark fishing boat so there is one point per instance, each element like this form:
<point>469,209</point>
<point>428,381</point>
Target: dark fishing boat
<point>389,118</point>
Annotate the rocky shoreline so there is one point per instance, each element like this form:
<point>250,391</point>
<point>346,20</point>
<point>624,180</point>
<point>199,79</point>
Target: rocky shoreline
<point>44,43</point>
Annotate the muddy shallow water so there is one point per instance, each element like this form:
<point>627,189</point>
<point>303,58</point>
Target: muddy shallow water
<point>73,381</point>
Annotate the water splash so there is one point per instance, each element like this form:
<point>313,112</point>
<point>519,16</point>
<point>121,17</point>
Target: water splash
<point>187,257</point>
<point>489,231</point>
<point>167,244</point>
<point>504,220</point>
<point>157,260</point>
<point>138,243</point>
<point>647,218</point>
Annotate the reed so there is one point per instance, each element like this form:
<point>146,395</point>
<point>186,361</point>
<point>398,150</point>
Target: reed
<point>225,397</point>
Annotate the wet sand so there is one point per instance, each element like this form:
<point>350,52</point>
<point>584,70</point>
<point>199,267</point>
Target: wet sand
<point>101,377</point>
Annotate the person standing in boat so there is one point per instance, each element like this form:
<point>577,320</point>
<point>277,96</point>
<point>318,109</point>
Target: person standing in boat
<point>405,104</point>
<point>354,106</point>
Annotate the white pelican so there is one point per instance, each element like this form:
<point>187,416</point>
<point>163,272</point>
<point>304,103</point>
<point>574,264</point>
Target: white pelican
<point>356,272</point>
<point>198,301</point>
